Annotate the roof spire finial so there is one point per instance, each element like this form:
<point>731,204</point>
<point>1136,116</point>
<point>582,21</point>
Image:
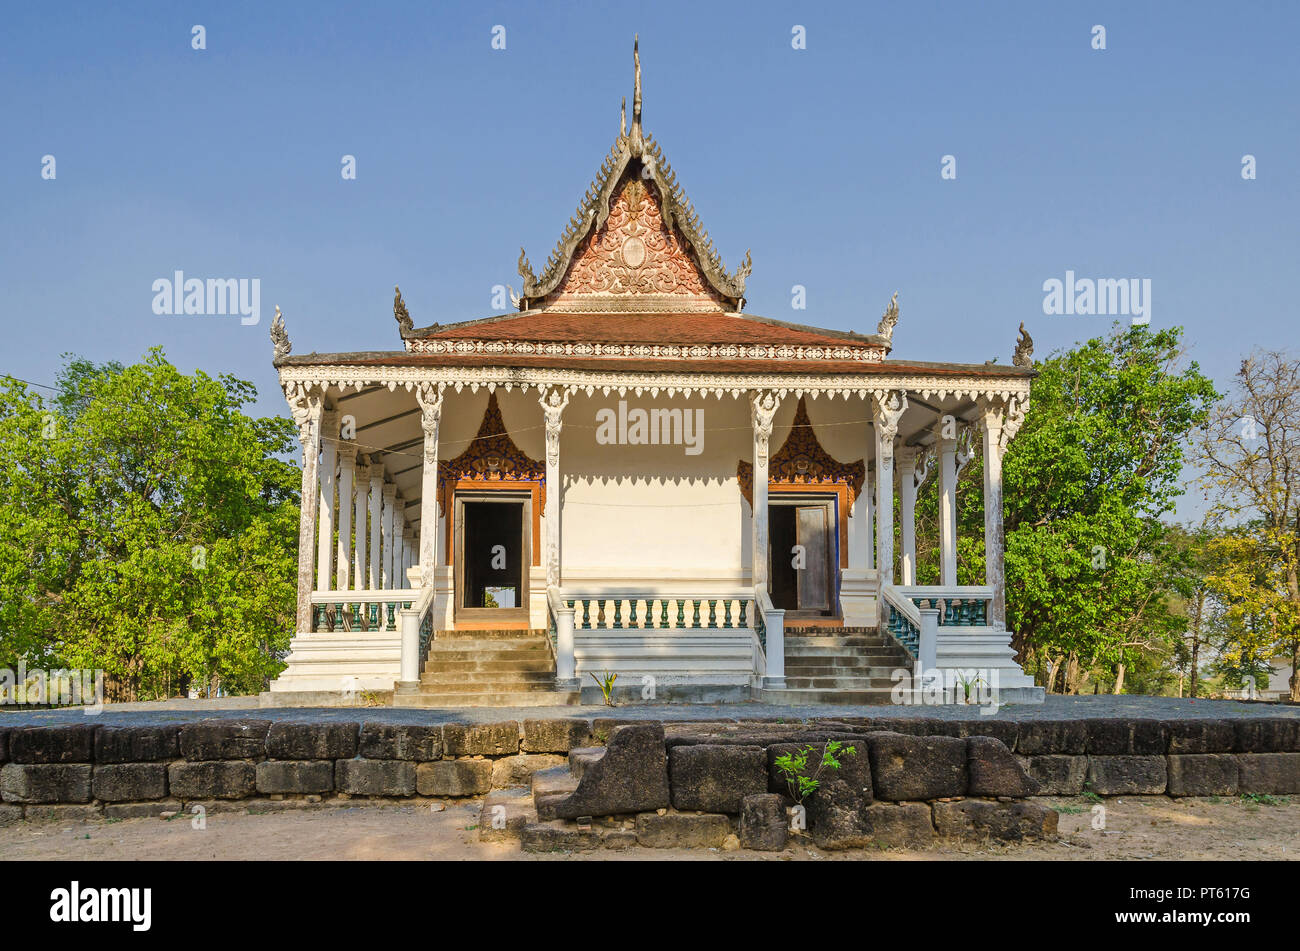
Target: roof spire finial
<point>636,97</point>
<point>622,118</point>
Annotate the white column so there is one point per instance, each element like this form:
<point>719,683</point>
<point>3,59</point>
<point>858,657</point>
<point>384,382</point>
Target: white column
<point>409,555</point>
<point>1000,422</point>
<point>306,406</point>
<point>347,473</point>
<point>376,505</point>
<point>390,498</point>
<point>869,495</point>
<point>890,407</point>
<point>362,531</point>
<point>429,396</point>
<point>947,503</point>
<point>553,404</point>
<point>399,541</point>
<point>763,410</point>
<point>325,527</point>
<point>907,512</point>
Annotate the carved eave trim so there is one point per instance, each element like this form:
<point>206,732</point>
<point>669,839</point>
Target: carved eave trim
<point>491,456</point>
<point>802,461</point>
<point>648,351</point>
<point>876,385</point>
<point>593,210</point>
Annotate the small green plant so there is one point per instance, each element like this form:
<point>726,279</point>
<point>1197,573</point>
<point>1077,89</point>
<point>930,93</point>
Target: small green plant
<point>968,684</point>
<point>1262,799</point>
<point>794,766</point>
<point>606,684</point>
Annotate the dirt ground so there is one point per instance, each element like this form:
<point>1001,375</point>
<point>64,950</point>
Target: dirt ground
<point>1137,828</point>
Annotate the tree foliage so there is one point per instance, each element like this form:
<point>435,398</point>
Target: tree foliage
<point>148,527</point>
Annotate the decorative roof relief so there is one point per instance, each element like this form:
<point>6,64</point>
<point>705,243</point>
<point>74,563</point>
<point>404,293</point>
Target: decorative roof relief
<point>803,461</point>
<point>1024,353</point>
<point>491,456</point>
<point>635,241</point>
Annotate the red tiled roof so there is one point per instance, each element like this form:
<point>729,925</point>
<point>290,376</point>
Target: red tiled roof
<point>646,329</point>
<point>633,365</point>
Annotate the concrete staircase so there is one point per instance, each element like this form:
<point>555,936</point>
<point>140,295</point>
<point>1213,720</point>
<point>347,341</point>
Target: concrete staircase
<point>839,665</point>
<point>488,669</point>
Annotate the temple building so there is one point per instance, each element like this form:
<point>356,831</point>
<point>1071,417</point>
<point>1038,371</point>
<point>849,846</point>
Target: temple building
<point>632,475</point>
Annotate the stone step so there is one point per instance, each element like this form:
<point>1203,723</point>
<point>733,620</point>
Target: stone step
<point>475,648</point>
<point>495,634</point>
<point>489,663</point>
<point>437,675</point>
<point>849,697</point>
<point>437,657</point>
<point>866,682</point>
<point>821,641</point>
<point>487,686</point>
<point>453,701</point>
<point>872,670</point>
<point>841,659</point>
<point>550,786</point>
<point>581,757</point>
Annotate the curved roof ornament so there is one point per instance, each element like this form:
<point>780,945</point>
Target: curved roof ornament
<point>1024,353</point>
<point>637,139</point>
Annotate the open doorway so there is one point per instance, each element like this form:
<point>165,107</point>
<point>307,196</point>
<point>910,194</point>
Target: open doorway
<point>491,555</point>
<point>801,556</point>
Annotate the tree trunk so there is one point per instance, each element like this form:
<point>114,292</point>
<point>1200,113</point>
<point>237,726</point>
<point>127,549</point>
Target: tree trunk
<point>1053,666</point>
<point>1196,644</point>
<point>1119,679</point>
<point>1295,671</point>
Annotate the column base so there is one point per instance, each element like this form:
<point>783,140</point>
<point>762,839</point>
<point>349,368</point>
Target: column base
<point>406,687</point>
<point>567,683</point>
<point>773,683</point>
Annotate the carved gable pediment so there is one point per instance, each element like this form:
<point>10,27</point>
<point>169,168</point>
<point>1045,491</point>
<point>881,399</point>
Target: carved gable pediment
<point>635,261</point>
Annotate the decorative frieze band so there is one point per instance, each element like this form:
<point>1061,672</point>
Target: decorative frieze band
<point>646,351</point>
<point>345,377</point>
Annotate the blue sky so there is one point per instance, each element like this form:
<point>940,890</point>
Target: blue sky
<point>825,161</point>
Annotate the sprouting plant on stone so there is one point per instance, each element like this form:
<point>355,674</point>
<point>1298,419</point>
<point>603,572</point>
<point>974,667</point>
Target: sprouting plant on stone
<point>606,684</point>
<point>793,767</point>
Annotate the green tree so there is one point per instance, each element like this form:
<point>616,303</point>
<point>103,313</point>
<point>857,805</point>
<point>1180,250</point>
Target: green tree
<point>149,529</point>
<point>1086,481</point>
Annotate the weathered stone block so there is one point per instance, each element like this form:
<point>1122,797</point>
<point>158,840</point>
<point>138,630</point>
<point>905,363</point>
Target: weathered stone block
<point>1271,773</point>
<point>716,778</point>
<point>454,777</point>
<point>10,814</point>
<point>137,744</point>
<point>917,767</point>
<point>295,776</point>
<point>1004,821</point>
<point>558,836</point>
<point>128,782</point>
<point>218,739</point>
<point>632,776</point>
<point>63,812</point>
<point>1123,737</point>
<point>1259,735</point>
<point>216,779</point>
<point>45,782</point>
<point>484,739</point>
<point>1127,775</point>
<point>904,825</point>
<point>675,830</point>
<point>764,826</point>
<point>1203,774</point>
<point>1061,737</point>
<point>555,736</point>
<point>400,741</point>
<point>1057,775</point>
<point>518,770</point>
<point>314,741</point>
<point>70,743</point>
<point>374,777</point>
<point>1200,736</point>
<point>504,815</point>
<point>141,810</point>
<point>1008,731</point>
<point>994,771</point>
<point>4,745</point>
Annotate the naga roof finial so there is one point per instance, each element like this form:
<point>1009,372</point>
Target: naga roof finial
<point>404,323</point>
<point>1024,353</point>
<point>622,118</point>
<point>279,337</point>
<point>637,140</point>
